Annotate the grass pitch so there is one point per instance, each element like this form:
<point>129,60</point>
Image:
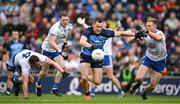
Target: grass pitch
<point>98,99</point>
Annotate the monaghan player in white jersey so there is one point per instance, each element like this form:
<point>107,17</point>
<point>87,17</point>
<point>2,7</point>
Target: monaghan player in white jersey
<point>52,47</point>
<point>107,62</point>
<point>24,62</point>
<point>154,59</point>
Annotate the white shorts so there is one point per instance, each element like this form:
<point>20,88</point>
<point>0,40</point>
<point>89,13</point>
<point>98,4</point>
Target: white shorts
<point>107,62</point>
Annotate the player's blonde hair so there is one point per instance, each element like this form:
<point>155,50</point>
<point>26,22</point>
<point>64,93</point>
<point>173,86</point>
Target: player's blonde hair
<point>153,20</point>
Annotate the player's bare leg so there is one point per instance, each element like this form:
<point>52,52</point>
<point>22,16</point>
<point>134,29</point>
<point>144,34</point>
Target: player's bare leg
<point>95,79</point>
<point>92,85</point>
<point>139,78</point>
<point>9,82</point>
<point>97,75</point>
<point>110,75</point>
<point>84,68</point>
<point>155,78</point>
<point>42,74</point>
<point>58,76</point>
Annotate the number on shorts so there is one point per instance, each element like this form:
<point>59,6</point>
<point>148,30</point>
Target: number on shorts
<point>26,55</point>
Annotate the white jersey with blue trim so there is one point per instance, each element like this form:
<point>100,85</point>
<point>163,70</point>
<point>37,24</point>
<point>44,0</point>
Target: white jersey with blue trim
<point>22,59</point>
<point>61,34</point>
<point>156,50</point>
<point>108,47</point>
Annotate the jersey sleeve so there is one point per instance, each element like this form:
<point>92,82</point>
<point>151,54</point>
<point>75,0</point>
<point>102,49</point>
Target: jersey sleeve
<point>70,28</point>
<point>86,32</point>
<point>41,57</point>
<point>108,32</point>
<point>53,30</point>
<point>162,35</point>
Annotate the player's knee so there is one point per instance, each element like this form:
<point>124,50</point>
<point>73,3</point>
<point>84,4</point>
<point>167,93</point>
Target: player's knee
<point>110,76</point>
<point>31,81</point>
<point>84,77</point>
<point>97,82</point>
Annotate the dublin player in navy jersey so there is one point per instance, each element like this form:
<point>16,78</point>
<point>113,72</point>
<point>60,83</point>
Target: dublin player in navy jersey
<point>92,38</point>
<point>14,47</point>
<point>107,62</point>
<point>154,60</point>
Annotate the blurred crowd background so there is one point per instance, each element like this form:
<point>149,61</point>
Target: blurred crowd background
<point>33,18</point>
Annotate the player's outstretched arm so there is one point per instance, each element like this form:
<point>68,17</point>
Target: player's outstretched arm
<point>131,40</point>
<point>56,65</point>
<point>157,37</point>
<point>124,33</point>
<point>25,80</point>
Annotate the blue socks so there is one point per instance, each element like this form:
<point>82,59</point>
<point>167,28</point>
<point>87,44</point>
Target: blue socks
<point>93,90</point>
<point>55,85</point>
<point>120,90</point>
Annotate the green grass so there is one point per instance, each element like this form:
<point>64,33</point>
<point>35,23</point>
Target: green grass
<point>98,99</point>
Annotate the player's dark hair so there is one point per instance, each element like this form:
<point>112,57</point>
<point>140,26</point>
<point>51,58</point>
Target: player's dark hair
<point>64,14</point>
<point>153,20</point>
<point>33,59</point>
<point>99,19</point>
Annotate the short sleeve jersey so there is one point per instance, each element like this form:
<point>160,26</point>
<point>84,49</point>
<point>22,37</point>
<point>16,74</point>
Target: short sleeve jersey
<point>60,32</point>
<point>22,59</point>
<point>14,48</point>
<point>96,39</point>
<point>156,50</point>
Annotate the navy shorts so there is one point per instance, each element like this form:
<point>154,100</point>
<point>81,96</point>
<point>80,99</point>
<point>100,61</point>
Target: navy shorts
<point>10,67</point>
<point>157,66</point>
<point>88,59</point>
<point>50,55</point>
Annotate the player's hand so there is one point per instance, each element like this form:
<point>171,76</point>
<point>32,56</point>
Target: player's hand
<point>140,33</point>
<point>80,20</point>
<point>64,55</point>
<point>94,47</point>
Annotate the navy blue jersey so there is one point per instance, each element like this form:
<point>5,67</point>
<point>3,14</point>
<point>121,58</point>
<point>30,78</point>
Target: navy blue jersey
<point>14,48</point>
<point>96,39</point>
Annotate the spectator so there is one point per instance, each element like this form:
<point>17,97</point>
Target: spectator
<point>25,11</point>
<point>172,21</point>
